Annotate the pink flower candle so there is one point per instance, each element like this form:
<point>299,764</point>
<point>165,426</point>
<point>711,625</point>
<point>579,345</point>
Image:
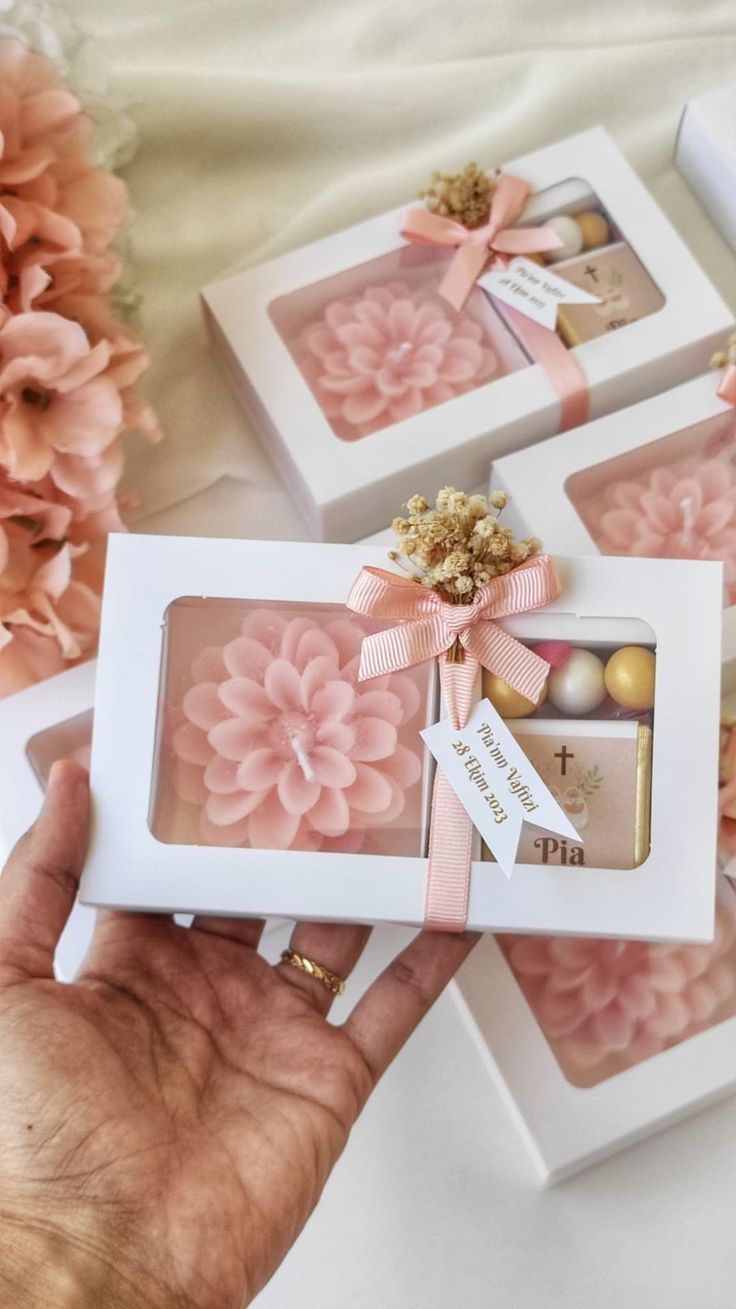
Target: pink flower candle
<point>389,353</point>
<point>684,510</point>
<point>607,1005</point>
<point>280,747</point>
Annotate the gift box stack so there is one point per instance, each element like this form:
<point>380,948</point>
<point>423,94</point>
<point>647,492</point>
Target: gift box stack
<point>520,717</point>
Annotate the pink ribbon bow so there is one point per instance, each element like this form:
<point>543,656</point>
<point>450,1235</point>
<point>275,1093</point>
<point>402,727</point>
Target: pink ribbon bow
<point>727,389</point>
<point>428,627</point>
<point>476,246</point>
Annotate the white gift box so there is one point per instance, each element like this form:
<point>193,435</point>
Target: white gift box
<point>141,858</point>
<point>565,490</point>
<point>568,1126</point>
<point>46,722</point>
<point>706,154</point>
<point>345,486</point>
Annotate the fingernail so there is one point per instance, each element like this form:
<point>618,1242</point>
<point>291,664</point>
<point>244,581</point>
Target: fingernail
<point>60,772</point>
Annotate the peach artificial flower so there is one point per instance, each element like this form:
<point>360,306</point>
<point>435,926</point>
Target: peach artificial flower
<point>38,591</point>
<point>54,403</point>
<point>68,370</point>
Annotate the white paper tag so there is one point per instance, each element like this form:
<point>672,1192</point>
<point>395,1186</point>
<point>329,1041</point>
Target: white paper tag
<point>495,782</point>
<point>534,291</point>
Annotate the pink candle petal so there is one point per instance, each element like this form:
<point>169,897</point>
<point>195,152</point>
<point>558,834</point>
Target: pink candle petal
<point>334,701</point>
<point>221,776</point>
<point>317,673</point>
<point>261,768</point>
<point>371,791</point>
<point>243,697</point>
<point>224,810</point>
<point>270,827</point>
<point>235,738</point>
<point>245,657</point>
<point>203,707</point>
<point>297,793</point>
<point>383,704</point>
<point>331,768</point>
<point>374,739</point>
<point>331,814</point>
<point>191,744</point>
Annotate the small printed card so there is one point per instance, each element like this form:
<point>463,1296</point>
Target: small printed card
<point>599,771</point>
<point>496,782</point>
<point>534,290</point>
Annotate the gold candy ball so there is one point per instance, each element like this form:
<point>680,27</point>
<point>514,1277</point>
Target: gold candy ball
<point>508,702</point>
<point>629,677</point>
<point>594,229</point>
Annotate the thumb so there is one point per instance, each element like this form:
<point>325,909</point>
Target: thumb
<point>39,882</point>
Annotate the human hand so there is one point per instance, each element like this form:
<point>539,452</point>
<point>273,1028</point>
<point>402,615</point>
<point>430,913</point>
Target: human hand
<point>168,1122</point>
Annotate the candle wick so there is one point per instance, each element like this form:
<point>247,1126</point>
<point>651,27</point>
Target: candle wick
<point>399,353</point>
<point>688,519</point>
<point>302,757</point>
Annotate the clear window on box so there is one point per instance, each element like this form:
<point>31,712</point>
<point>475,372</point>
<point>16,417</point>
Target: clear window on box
<point>377,344</point>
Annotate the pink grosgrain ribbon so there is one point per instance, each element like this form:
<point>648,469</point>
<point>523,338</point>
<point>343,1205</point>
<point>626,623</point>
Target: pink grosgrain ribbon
<point>428,628</point>
<point>727,389</point>
<point>477,245</point>
<point>493,243</point>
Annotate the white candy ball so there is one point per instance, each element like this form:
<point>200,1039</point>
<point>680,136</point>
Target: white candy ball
<point>578,686</point>
<point>570,235</point>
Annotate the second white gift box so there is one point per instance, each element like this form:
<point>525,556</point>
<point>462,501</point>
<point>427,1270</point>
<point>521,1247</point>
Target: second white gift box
<point>597,1044</point>
<point>239,769</point>
<point>362,385</point>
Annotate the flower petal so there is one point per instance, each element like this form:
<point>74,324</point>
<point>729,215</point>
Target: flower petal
<point>209,665</point>
<point>380,704</point>
<point>341,736</point>
<point>189,783</point>
<point>404,765</point>
<point>221,775</point>
<point>331,768</point>
<point>246,699</point>
<point>370,792</point>
<point>202,706</point>
<point>297,793</point>
<point>235,739</point>
<point>223,810</point>
<point>190,743</point>
<point>235,835</point>
<point>317,674</point>
<point>271,827</point>
<point>374,739</point>
<point>245,657</point>
<point>334,701</point>
<point>260,769</point>
<point>284,685</point>
<point>311,645</point>
<point>331,814</point>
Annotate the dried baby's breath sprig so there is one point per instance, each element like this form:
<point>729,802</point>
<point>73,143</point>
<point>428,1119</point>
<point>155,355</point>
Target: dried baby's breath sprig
<point>465,196</point>
<point>727,356</point>
<point>460,544</point>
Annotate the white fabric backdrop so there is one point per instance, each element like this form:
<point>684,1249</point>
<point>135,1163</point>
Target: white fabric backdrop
<point>265,123</point>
